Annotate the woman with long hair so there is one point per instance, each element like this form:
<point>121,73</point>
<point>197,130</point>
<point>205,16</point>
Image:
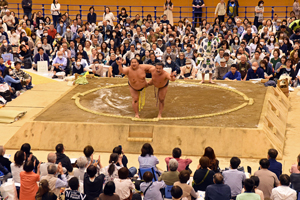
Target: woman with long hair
<point>44,192</point>
<point>111,171</point>
<point>108,16</point>
<point>92,16</point>
<point>168,7</point>
<point>296,8</point>
<point>55,11</point>
<point>123,15</point>
<point>213,162</point>
<point>259,14</point>
<point>147,159</point>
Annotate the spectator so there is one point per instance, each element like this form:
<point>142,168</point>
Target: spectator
<point>74,194</point>
<point>93,184</point>
<point>203,177</point>
<point>60,64</point>
<point>170,177</point>
<point>168,8</point>
<point>255,72</point>
<point>88,152</point>
<point>249,194</point>
<point>40,56</point>
<point>232,8</point>
<point>111,171</point>
<point>182,163</point>
<point>9,20</point>
<point>108,192</point>
<point>27,7</point>
<point>188,71</point>
<point>25,56</point>
<point>124,186</point>
<point>221,11</point>
<point>51,158</point>
<point>275,166</point>
<point>123,15</point>
<point>29,179</point>
<point>92,16</point>
<point>55,11</point>
<point>259,14</point>
<point>44,192</point>
<point>294,167</point>
<point>151,189</point>
<point>147,159</point>
<point>256,183</point>
<point>176,192</point>
<point>197,7</point>
<point>4,161</point>
<point>55,184</point>
<point>267,179</point>
<point>218,190</point>
<point>295,178</point>
<point>17,168</point>
<point>221,70</point>
<point>233,74</point>
<point>77,67</point>
<point>296,8</point>
<point>108,16</point>
<point>81,164</point>
<point>283,191</point>
<point>187,190</point>
<point>234,178</point>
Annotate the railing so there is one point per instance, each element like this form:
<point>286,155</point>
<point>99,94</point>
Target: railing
<point>179,12</point>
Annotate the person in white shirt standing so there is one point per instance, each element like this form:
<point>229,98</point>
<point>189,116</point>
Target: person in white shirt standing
<point>283,191</point>
<point>55,11</point>
<point>108,16</point>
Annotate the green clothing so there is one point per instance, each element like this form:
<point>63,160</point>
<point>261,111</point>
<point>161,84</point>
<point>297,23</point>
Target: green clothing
<point>169,177</point>
<point>294,25</point>
<point>248,196</point>
<point>274,62</point>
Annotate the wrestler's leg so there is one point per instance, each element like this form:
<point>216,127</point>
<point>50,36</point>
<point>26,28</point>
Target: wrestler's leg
<point>135,101</point>
<point>161,97</point>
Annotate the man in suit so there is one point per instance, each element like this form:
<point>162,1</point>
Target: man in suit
<point>40,56</point>
<point>275,166</point>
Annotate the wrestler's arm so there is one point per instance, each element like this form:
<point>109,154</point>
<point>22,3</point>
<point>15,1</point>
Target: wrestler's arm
<point>147,67</point>
<point>121,69</point>
<point>172,76</point>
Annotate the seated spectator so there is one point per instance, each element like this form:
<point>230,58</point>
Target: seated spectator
<point>187,190</point>
<point>26,149</point>
<point>25,56</point>
<point>181,60</point>
<point>248,194</point>
<point>172,65</point>
<point>17,167</point>
<point>256,183</point>
<point>287,69</point>
<point>213,162</point>
<point>74,194</point>
<point>151,189</point>
<point>188,71</point>
<point>283,191</point>
<point>176,193</point>
<point>82,163</point>
<point>11,80</point>
<point>60,64</point>
<point>256,58</point>
<point>97,68</point>
<point>44,192</point>
<point>255,72</point>
<point>221,70</point>
<point>234,178</point>
<point>275,166</point>
<point>92,184</point>
<point>29,179</point>
<point>62,158</point>
<point>268,71</point>
<point>5,162</point>
<point>123,184</point>
<point>147,159</point>
<point>243,66</point>
<point>219,190</point>
<point>22,76</point>
<point>88,152</point>
<point>77,67</point>
<point>109,192</point>
<point>55,184</point>
<point>5,48</point>
<point>120,152</point>
<point>182,163</point>
<point>267,179</point>
<point>203,177</point>
<point>51,158</point>
<point>6,173</point>
<point>170,177</point>
<point>295,179</point>
<point>153,60</point>
<point>111,171</point>
<point>294,168</point>
<point>40,56</point>
<point>233,74</point>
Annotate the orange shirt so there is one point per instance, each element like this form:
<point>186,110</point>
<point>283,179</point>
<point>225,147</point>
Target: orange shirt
<point>29,185</point>
<point>52,33</point>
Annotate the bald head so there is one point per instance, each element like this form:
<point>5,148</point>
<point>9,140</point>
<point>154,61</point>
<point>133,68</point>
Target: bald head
<point>254,65</point>
<point>218,178</point>
<point>51,157</point>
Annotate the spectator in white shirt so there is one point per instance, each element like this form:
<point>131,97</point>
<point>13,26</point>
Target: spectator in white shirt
<point>123,184</point>
<point>283,191</point>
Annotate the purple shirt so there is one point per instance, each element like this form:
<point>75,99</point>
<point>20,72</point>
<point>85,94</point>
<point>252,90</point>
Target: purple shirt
<point>148,161</point>
<point>63,61</point>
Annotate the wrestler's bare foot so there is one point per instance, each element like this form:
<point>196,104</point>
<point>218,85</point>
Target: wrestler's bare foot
<point>159,116</point>
<point>202,82</point>
<point>211,82</point>
<point>137,116</point>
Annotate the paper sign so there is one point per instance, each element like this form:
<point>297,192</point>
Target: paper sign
<point>7,57</point>
<point>42,67</point>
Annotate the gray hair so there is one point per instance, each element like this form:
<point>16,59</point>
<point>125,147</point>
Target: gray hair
<point>173,164</point>
<point>52,169</point>
<point>51,157</point>
<point>82,161</point>
<point>1,150</point>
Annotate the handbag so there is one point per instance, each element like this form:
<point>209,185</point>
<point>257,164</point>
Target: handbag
<point>202,179</point>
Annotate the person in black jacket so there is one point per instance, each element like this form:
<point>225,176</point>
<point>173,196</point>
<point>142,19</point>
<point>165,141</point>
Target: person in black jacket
<point>92,16</point>
<point>27,7</point>
<point>25,56</point>
<point>92,184</point>
<point>4,161</point>
<point>62,158</point>
<point>26,149</point>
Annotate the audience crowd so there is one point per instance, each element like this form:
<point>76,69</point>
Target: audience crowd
<point>91,179</point>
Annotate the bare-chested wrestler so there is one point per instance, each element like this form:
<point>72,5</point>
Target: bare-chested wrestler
<point>160,79</point>
<point>136,74</point>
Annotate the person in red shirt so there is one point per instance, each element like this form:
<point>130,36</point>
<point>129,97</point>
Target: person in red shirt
<point>28,180</point>
<point>52,31</point>
<point>182,163</point>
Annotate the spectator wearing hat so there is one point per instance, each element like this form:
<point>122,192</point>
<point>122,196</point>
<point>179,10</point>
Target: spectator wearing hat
<point>233,74</point>
<point>221,70</point>
<point>9,20</point>
<point>97,68</point>
<point>188,71</point>
<point>146,45</point>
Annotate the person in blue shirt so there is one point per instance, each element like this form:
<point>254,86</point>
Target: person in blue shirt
<point>10,80</point>
<point>255,72</point>
<point>197,6</point>
<point>219,190</point>
<point>233,74</point>
<point>2,66</point>
<point>275,166</point>
<point>77,67</point>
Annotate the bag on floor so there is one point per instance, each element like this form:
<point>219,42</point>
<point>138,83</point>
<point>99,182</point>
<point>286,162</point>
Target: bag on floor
<point>8,190</point>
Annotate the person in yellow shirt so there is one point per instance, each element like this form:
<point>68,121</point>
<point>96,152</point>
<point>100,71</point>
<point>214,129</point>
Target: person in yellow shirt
<point>26,29</point>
